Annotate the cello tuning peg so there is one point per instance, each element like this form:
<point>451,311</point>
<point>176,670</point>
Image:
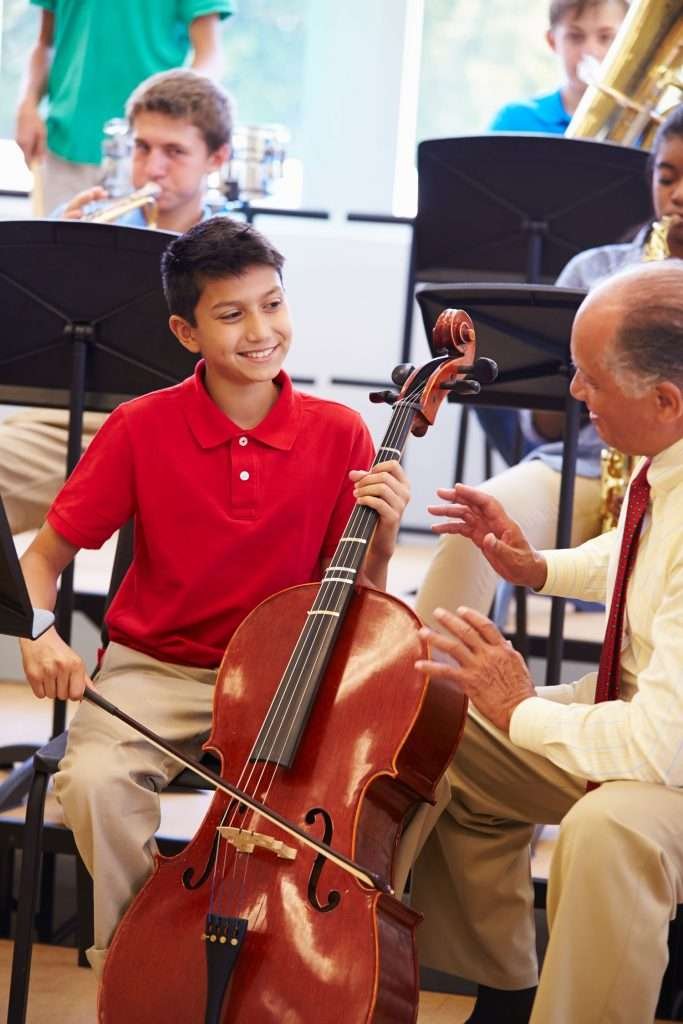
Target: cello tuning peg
<point>400,373</point>
<point>463,387</point>
<point>383,396</point>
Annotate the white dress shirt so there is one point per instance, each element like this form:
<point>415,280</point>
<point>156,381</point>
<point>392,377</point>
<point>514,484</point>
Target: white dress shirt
<point>639,736</point>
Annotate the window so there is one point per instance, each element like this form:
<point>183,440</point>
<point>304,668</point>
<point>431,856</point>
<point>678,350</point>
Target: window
<point>475,58</point>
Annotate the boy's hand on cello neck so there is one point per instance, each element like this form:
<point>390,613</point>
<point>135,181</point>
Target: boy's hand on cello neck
<point>386,489</point>
<point>51,667</point>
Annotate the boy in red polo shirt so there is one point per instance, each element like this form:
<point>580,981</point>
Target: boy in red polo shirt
<point>239,487</point>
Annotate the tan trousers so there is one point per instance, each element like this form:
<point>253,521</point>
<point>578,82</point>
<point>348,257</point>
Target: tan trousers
<point>33,446</point>
<point>615,881</point>
<point>530,494</point>
<point>110,778</point>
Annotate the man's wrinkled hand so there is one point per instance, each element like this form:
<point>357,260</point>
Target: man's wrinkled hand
<point>482,663</point>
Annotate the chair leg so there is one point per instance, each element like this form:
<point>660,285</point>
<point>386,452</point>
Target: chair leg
<point>28,895</point>
<point>84,903</point>
<point>670,1005</point>
<point>45,916</point>
<point>6,890</point>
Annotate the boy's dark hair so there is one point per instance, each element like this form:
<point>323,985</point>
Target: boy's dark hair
<point>188,96</point>
<point>215,248</point>
<point>559,9</point>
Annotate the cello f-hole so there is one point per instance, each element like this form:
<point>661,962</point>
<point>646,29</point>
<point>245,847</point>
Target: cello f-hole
<point>333,896</point>
<point>188,875</point>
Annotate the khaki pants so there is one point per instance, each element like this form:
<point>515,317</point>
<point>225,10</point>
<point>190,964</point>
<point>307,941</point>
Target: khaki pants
<point>615,881</point>
<point>530,494</point>
<point>33,447</point>
<point>110,777</point>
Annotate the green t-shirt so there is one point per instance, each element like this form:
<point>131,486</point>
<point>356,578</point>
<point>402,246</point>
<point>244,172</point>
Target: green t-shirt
<point>103,49</point>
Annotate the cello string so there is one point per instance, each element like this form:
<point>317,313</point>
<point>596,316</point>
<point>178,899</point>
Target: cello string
<point>330,594</point>
<point>283,693</point>
<point>328,591</point>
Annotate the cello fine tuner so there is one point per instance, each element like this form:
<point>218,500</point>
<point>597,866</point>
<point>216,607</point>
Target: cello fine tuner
<point>246,841</point>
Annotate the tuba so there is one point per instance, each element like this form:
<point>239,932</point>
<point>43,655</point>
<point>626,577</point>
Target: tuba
<point>640,79</point>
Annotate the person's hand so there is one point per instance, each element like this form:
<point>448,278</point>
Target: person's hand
<point>74,208</point>
<point>30,132</point>
<point>386,489</point>
<point>483,520</point>
<point>485,665</point>
<point>52,668</point>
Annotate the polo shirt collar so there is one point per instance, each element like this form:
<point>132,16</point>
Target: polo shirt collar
<point>211,427</point>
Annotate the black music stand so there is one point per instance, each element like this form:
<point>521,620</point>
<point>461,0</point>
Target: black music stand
<point>86,327</point>
<point>516,207</point>
<point>525,329</point>
<point>17,616</point>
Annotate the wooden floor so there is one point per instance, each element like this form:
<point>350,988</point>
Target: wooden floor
<point>63,993</point>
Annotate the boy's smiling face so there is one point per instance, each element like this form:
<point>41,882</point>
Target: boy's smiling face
<point>242,329</point>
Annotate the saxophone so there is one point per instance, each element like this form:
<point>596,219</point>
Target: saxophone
<point>615,466</point>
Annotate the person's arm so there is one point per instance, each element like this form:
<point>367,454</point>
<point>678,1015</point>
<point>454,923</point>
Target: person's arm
<point>51,667</point>
<point>207,53</point>
<point>639,739</point>
<point>30,127</point>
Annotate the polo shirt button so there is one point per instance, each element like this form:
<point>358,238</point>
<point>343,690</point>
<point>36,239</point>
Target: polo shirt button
<point>244,475</point>
<point>243,441</point>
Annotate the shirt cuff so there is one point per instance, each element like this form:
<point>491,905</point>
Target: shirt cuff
<point>562,572</point>
<point>531,720</point>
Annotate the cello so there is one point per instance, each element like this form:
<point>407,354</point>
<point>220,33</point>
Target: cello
<point>279,910</point>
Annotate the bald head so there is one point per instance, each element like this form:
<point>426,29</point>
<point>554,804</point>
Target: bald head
<point>647,302</point>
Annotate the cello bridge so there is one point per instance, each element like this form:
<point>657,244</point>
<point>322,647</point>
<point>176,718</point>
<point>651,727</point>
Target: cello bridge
<point>246,841</point>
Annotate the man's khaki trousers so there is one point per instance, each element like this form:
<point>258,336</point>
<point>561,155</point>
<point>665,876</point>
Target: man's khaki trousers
<point>615,881</point>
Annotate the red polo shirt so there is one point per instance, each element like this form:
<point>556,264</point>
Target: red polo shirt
<point>224,517</point>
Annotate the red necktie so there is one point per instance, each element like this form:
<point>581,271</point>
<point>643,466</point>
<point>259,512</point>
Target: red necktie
<point>607,687</point>
<point>609,676</point>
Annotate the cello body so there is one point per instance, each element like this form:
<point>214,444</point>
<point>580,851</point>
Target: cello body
<point>321,947</point>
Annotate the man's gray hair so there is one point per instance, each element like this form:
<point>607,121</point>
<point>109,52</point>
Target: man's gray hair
<point>648,345</point>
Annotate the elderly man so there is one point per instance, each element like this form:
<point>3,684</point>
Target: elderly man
<point>602,756</point>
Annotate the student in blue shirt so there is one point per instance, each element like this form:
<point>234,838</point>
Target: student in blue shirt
<point>577,29</point>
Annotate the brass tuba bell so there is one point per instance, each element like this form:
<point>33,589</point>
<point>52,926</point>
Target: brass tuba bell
<point>640,79</point>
